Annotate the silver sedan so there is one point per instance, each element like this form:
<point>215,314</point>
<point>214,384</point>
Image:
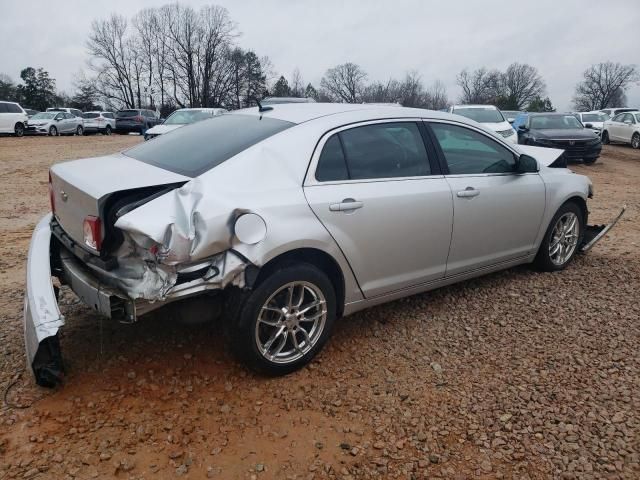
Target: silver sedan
<point>292,216</point>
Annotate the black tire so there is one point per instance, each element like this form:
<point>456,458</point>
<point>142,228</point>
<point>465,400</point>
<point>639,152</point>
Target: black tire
<point>635,141</point>
<point>79,130</point>
<point>18,129</point>
<point>107,130</point>
<point>543,259</point>
<point>53,131</point>
<point>244,310</point>
<point>143,129</point>
<point>590,161</point>
<point>605,138</point>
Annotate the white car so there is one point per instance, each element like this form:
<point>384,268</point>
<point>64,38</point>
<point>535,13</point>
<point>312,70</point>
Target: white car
<point>490,117</point>
<point>182,117</point>
<point>593,120</point>
<point>624,127</point>
<point>55,123</point>
<point>99,122</point>
<point>13,118</point>
<point>612,112</point>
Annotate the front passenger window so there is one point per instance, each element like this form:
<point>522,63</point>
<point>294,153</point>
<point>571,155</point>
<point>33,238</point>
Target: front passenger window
<point>468,152</point>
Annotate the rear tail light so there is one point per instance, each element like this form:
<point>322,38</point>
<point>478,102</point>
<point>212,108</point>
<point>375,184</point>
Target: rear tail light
<point>138,119</point>
<point>92,231</point>
<point>52,197</point>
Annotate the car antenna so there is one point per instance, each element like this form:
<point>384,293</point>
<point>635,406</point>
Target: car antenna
<point>261,109</point>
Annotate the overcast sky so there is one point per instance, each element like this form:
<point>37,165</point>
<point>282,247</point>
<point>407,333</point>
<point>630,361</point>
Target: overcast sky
<point>386,37</point>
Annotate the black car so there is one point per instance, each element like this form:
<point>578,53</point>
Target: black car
<point>136,120</point>
<point>559,130</point>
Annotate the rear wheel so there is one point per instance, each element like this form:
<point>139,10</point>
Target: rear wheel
<point>635,140</point>
<point>107,131</point>
<point>605,138</point>
<point>79,130</point>
<point>53,131</point>
<point>283,323</point>
<point>562,239</point>
<point>18,130</point>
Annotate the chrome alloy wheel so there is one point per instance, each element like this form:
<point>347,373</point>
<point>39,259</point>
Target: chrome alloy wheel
<point>564,238</point>
<point>291,322</point>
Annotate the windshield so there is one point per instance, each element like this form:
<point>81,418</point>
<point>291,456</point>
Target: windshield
<point>637,115</point>
<point>127,113</point>
<point>481,115</point>
<point>194,149</point>
<point>44,116</point>
<point>542,122</point>
<point>183,117</point>
<point>594,117</point>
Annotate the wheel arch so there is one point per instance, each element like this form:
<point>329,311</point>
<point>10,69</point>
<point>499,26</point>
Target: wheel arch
<point>581,202</point>
<point>316,257</point>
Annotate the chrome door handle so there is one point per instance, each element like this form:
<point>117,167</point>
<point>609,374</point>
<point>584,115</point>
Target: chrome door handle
<point>347,205</point>
<point>468,192</point>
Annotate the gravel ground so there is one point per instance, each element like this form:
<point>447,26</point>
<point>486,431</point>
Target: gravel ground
<point>514,375</point>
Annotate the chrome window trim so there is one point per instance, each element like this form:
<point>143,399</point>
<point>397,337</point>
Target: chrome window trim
<point>310,177</point>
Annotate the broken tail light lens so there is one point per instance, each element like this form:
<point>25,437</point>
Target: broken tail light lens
<point>92,230</point>
<point>138,119</point>
<point>52,197</point>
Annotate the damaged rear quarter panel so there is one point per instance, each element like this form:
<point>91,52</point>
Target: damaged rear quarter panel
<point>196,221</point>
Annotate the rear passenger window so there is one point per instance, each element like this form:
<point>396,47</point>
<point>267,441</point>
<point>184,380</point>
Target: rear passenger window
<point>13,108</point>
<point>383,150</point>
<point>3,108</point>
<point>331,165</point>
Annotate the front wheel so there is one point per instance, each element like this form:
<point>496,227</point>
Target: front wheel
<point>590,161</point>
<point>562,239</point>
<point>107,131</point>
<point>635,140</point>
<point>18,130</point>
<point>285,320</point>
<point>79,130</point>
<point>53,131</point>
<point>605,138</point>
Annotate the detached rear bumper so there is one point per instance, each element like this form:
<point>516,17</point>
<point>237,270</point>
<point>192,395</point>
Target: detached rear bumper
<point>42,317</point>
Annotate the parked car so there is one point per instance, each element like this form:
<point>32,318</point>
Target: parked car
<point>182,117</point>
<point>510,115</point>
<point>12,118</point>
<point>136,120</point>
<point>30,112</point>
<point>624,127</point>
<point>73,111</point>
<point>592,120</point>
<point>99,122</point>
<point>489,116</point>
<point>55,123</point>
<point>559,130</point>
<point>281,100</point>
<point>612,112</point>
<point>292,218</point>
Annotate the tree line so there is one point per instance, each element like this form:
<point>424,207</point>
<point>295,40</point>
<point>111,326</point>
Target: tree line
<point>175,56</point>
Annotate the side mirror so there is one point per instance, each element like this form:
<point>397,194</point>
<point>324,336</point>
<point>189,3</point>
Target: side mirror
<point>522,128</point>
<point>588,125</point>
<point>526,164</point>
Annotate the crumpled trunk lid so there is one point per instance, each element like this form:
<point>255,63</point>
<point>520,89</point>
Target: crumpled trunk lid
<point>80,188</point>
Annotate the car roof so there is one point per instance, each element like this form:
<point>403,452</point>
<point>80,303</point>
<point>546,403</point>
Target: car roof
<point>476,106</point>
<point>304,112</point>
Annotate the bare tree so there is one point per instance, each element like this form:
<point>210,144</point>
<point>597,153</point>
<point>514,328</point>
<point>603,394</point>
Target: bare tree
<point>147,26</point>
<point>344,83</point>
<point>435,97</point>
<point>378,92</point>
<point>297,84</point>
<point>109,47</point>
<point>521,84</point>
<point>479,86</point>
<point>604,85</point>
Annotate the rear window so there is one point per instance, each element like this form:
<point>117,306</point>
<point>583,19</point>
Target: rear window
<point>196,148</point>
<point>128,113</point>
<point>91,115</point>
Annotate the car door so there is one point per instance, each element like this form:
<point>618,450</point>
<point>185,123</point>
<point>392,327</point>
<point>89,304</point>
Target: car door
<point>627,128</point>
<point>381,196</point>
<point>5,118</point>
<point>615,130</point>
<point>497,212</point>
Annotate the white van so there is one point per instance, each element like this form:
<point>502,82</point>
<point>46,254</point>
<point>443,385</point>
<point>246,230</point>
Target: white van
<point>490,117</point>
<point>13,118</point>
